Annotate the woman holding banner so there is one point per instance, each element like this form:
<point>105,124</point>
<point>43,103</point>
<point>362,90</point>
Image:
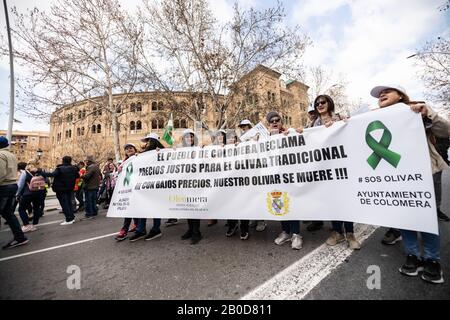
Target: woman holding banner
<point>434,125</point>
<point>287,227</point>
<point>151,143</point>
<point>189,139</point>
<point>325,115</point>
<point>130,152</point>
<point>232,138</point>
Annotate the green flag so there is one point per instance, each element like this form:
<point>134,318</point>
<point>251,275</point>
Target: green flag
<point>167,137</point>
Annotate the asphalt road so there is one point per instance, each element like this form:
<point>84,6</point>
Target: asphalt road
<point>217,268</point>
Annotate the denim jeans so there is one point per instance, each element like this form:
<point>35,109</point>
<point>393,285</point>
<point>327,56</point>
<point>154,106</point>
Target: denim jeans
<point>142,225</point>
<point>337,226</point>
<point>290,226</point>
<point>65,200</point>
<point>91,202</point>
<point>36,200</point>
<point>431,244</point>
<point>7,196</point>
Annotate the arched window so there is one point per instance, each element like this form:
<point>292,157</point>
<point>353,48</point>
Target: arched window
<point>95,111</point>
<point>132,126</point>
<point>139,107</point>
<point>154,106</point>
<point>82,131</point>
<point>84,114</point>
<point>94,128</point>
<point>138,125</point>
<point>99,112</point>
<point>70,133</point>
<point>183,123</point>
<point>118,109</point>
<point>154,124</point>
<point>176,124</point>
<point>99,128</point>
<point>161,123</point>
<point>160,105</point>
<point>133,107</point>
<point>78,131</point>
<point>80,114</point>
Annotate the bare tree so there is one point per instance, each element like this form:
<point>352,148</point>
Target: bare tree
<point>434,60</point>
<point>323,81</point>
<point>80,49</point>
<point>196,54</point>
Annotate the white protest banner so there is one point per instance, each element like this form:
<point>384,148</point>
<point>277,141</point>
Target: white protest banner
<point>373,169</point>
<point>258,130</point>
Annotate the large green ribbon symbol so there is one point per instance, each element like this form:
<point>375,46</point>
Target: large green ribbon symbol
<point>380,149</point>
<point>129,172</point>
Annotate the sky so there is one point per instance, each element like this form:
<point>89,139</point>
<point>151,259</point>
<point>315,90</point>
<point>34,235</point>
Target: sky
<point>367,41</point>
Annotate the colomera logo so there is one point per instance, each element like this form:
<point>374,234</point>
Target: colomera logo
<point>278,203</point>
<point>185,199</point>
<point>128,173</point>
<point>380,149</point>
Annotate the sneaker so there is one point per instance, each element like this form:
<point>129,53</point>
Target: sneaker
<point>261,226</point>
<point>352,242</point>
<point>186,235</point>
<point>244,235</point>
<point>297,241</point>
<point>432,272</point>
<point>138,236</point>
<point>196,238</point>
<point>171,222</point>
<point>122,235</point>
<point>15,243</point>
<point>153,234</point>
<point>442,216</point>
<point>86,218</point>
<point>133,228</point>
<point>282,238</point>
<point>335,238</point>
<point>66,223</point>
<point>391,237</point>
<point>412,266</point>
<point>231,231</point>
<point>314,226</point>
<point>27,228</point>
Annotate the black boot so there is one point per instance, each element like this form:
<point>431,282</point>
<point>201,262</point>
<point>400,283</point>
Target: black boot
<point>196,237</point>
<point>187,235</point>
<point>442,216</point>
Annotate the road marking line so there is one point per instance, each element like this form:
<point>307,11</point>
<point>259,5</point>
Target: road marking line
<point>297,280</point>
<point>39,225</point>
<point>57,247</point>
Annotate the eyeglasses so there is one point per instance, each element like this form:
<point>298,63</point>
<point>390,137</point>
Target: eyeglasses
<point>275,120</point>
<point>320,102</point>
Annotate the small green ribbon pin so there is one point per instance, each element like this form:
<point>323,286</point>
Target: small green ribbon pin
<point>129,172</point>
<point>380,149</point>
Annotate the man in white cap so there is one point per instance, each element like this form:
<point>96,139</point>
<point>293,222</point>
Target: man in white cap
<point>245,125</point>
<point>312,113</point>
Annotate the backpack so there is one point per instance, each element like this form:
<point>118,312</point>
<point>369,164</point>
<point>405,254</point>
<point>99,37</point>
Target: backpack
<point>37,183</point>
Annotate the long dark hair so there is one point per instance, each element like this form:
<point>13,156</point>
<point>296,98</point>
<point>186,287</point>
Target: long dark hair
<point>330,103</point>
<point>152,144</point>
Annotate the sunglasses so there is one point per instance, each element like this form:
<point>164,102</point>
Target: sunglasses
<point>320,102</point>
<point>275,120</point>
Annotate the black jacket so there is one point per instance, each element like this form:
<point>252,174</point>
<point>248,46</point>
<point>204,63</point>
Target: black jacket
<point>65,176</point>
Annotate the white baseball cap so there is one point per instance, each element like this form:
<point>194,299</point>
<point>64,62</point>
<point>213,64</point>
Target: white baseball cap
<point>129,144</point>
<point>311,108</point>
<point>375,92</point>
<point>245,122</point>
<point>150,136</point>
<point>187,131</point>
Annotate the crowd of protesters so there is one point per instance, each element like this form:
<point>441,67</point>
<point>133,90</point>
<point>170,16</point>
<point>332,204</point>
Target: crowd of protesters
<point>26,185</point>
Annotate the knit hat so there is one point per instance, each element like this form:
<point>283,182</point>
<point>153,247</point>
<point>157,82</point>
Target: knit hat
<point>272,114</point>
<point>3,142</point>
